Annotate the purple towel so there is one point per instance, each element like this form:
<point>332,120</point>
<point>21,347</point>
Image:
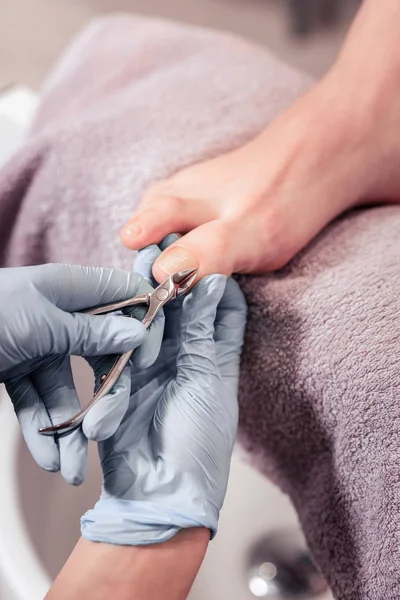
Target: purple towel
<point>132,101</point>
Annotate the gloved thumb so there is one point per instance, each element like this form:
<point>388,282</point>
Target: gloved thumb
<point>97,335</point>
<point>196,346</point>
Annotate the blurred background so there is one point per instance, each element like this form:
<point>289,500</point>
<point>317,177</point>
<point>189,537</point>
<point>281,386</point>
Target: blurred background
<point>307,33</point>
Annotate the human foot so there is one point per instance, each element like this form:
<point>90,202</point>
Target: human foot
<point>253,209</point>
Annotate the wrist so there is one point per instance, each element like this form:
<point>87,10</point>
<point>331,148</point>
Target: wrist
<point>142,523</point>
<point>166,571</point>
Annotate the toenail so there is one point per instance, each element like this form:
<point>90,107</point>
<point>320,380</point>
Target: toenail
<point>132,229</point>
<point>176,259</point>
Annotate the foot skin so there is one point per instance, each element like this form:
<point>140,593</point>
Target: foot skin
<point>253,209</point>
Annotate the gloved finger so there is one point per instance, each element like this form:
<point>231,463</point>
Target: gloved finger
<point>168,240</point>
<point>94,335</point>
<point>230,325</point>
<point>55,385</point>
<point>143,266</point>
<point>132,391</point>
<point>104,418</point>
<point>32,415</point>
<point>73,288</point>
<point>147,353</point>
<point>89,335</point>
<point>173,309</point>
<point>148,255</point>
<point>196,346</point>
<point>144,263</point>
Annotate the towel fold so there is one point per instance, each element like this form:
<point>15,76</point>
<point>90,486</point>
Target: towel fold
<point>132,101</point>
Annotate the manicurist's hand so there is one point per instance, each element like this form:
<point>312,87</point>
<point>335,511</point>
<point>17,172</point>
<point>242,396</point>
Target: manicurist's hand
<point>39,329</point>
<point>166,468</point>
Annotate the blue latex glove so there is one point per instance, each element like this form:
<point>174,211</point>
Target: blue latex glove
<point>38,332</point>
<point>167,466</point>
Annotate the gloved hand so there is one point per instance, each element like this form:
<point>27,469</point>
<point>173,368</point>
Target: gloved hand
<point>167,465</point>
<point>38,332</point>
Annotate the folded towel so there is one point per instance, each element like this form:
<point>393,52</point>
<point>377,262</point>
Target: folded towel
<point>132,101</point>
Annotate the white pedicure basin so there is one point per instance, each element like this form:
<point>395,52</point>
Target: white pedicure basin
<point>39,520</point>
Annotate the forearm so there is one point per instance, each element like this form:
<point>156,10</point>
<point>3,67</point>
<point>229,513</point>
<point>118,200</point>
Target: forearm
<point>97,571</point>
